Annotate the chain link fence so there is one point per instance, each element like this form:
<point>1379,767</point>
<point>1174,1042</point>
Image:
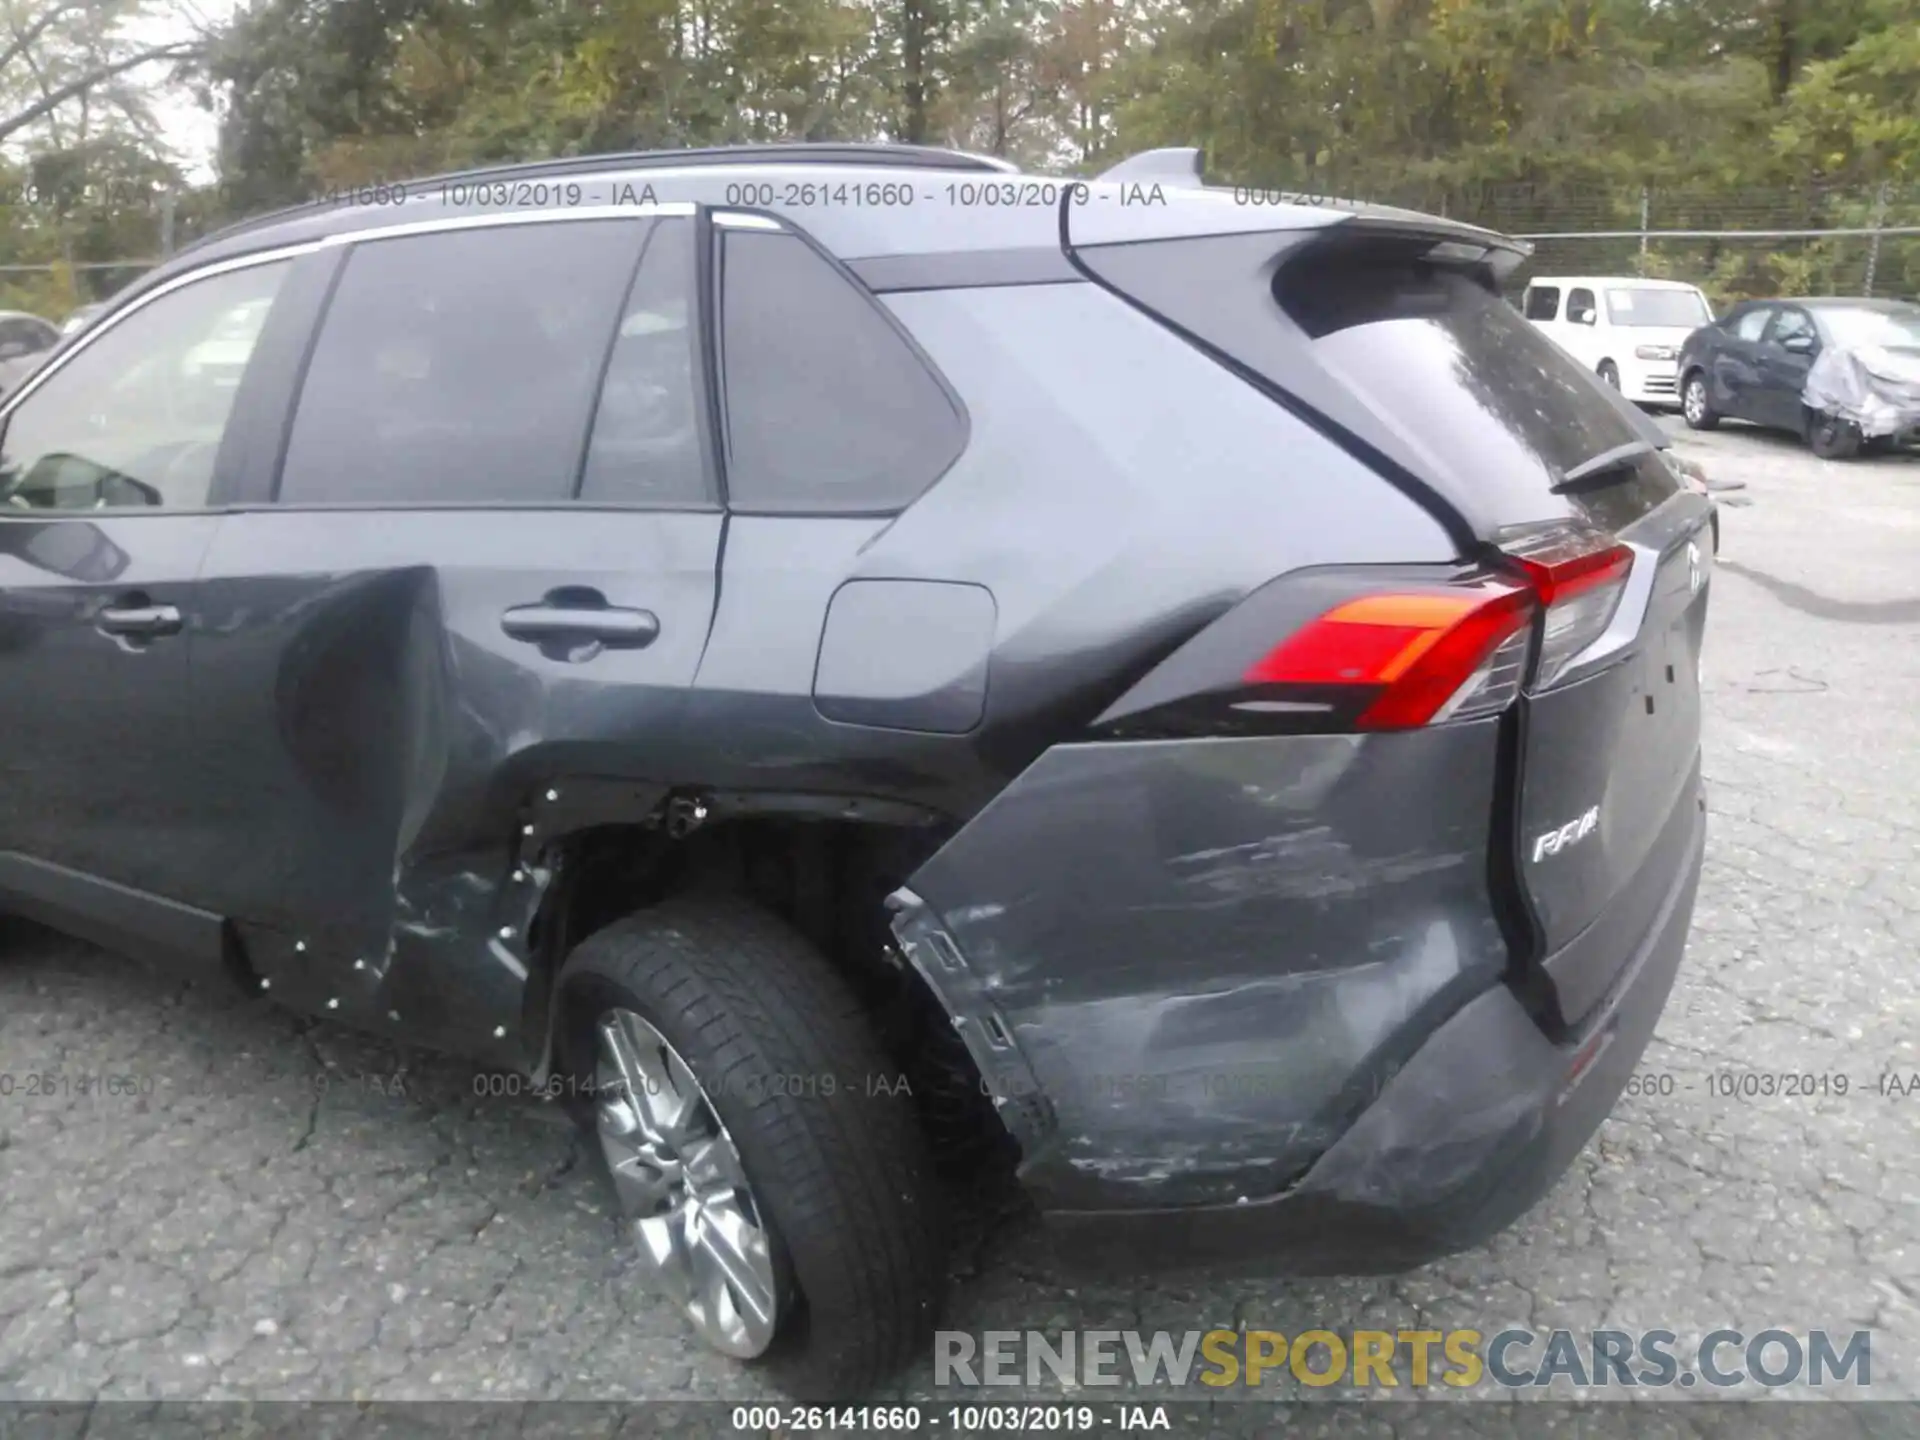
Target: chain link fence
<point>1734,245</point>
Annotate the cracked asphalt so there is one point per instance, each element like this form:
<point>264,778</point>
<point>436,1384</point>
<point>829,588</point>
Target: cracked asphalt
<point>287,1210</point>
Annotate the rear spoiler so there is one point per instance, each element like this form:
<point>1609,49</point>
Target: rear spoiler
<point>1453,241</point>
<point>1183,170</point>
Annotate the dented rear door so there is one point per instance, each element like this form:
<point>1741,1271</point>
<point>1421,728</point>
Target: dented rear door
<point>489,571</point>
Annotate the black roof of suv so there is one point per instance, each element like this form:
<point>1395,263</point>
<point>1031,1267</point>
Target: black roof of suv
<point>719,633</point>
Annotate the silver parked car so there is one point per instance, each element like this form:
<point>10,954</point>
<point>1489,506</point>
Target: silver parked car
<point>25,340</point>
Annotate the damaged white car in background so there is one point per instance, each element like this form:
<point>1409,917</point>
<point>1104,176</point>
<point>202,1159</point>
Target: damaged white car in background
<point>1864,385</point>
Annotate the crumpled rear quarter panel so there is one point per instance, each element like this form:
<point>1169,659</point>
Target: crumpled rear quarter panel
<point>1211,953</point>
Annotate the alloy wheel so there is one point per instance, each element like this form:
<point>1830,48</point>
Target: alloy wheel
<point>1695,400</point>
<point>682,1188</point>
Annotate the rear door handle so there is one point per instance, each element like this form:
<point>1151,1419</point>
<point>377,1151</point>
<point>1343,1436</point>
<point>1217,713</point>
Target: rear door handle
<point>142,622</point>
<point>575,616</point>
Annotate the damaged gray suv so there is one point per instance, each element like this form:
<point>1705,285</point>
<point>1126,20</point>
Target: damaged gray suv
<point>820,655</point>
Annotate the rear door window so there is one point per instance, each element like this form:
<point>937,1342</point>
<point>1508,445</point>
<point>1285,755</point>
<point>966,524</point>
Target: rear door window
<point>1791,324</point>
<point>1543,302</point>
<point>1752,323</point>
<point>829,408</point>
<point>461,366</point>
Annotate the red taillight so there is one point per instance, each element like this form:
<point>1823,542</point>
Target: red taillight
<point>1433,653</point>
<point>1429,652</point>
<point>1389,649</point>
<point>1557,579</point>
<point>1580,576</point>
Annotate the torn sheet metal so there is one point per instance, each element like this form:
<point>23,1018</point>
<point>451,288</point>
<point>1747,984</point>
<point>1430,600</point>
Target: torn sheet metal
<point>1205,957</point>
<point>1876,387</point>
<point>388,767</point>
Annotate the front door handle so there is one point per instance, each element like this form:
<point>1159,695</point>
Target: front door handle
<point>139,622</point>
<point>581,615</point>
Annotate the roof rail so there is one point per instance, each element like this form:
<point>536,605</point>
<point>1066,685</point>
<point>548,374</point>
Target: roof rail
<point>926,157</point>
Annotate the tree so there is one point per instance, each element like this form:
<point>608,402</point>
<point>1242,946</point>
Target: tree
<point>1525,114</point>
<point>88,188</point>
<point>56,55</point>
<point>1856,116</point>
<point>1007,87</point>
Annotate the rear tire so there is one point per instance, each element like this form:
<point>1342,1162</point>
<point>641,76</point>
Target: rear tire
<point>1610,373</point>
<point>1832,438</point>
<point>835,1167</point>
<point>1694,407</point>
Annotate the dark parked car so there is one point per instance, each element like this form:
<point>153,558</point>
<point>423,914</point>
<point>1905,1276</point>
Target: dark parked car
<point>1756,362</point>
<point>782,646</point>
<point>25,341</point>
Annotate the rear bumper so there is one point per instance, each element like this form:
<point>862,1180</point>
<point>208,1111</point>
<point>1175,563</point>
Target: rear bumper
<point>1184,968</point>
<point>1463,1140</point>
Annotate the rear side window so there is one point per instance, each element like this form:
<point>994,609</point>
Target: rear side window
<point>461,366</point>
<point>648,443</point>
<point>1414,357</point>
<point>1543,302</point>
<point>1752,322</point>
<point>828,407</point>
<point>1456,372</point>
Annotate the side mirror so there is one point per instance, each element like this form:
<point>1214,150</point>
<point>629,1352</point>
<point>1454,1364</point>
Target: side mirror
<point>1799,344</point>
<point>62,481</point>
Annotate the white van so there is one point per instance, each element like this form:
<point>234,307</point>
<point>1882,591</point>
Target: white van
<point>1625,329</point>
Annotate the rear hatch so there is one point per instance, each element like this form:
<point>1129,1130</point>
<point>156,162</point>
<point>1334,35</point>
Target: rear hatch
<point>1386,332</point>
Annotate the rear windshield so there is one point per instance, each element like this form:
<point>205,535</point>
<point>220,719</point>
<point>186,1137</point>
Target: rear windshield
<point>1873,327</point>
<point>1418,360</point>
<point>1650,309</point>
<point>1490,401</point>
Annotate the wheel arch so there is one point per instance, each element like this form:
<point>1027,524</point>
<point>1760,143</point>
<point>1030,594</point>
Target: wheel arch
<point>828,865</point>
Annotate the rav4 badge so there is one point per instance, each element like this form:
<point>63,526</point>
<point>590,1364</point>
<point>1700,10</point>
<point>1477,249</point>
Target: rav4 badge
<point>1571,833</point>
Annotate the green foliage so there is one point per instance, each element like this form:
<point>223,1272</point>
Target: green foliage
<point>1429,100</point>
<point>1530,115</point>
<point>1857,115</point>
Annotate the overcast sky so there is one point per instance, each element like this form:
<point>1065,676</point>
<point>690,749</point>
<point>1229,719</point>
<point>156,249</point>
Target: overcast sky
<point>190,130</point>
